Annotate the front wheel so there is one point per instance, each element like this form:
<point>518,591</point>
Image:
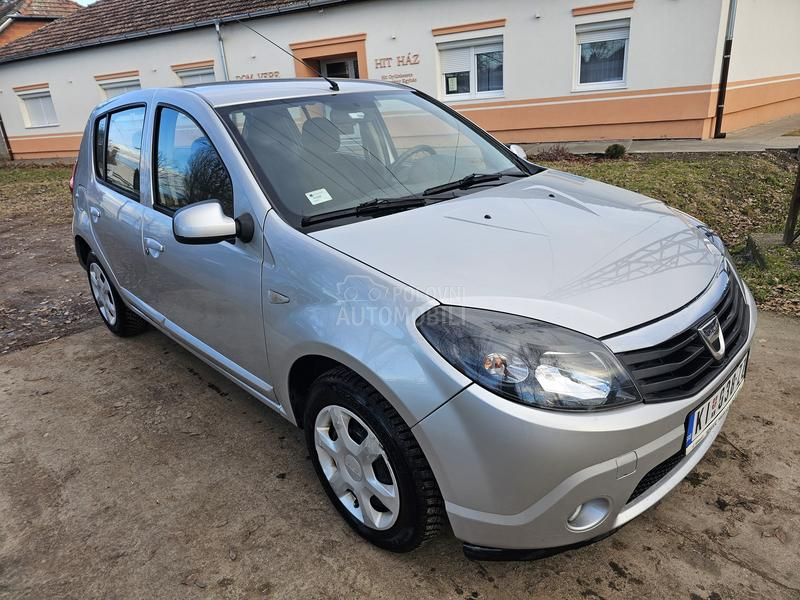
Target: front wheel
<point>369,463</point>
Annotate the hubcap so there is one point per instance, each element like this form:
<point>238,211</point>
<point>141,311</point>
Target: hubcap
<point>357,467</point>
<point>101,290</point>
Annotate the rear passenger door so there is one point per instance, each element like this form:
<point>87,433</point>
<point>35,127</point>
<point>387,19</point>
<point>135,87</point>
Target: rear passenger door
<point>210,294</point>
<point>115,208</point>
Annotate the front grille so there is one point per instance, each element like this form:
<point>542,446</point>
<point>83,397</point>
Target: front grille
<point>655,475</point>
<point>682,366</point>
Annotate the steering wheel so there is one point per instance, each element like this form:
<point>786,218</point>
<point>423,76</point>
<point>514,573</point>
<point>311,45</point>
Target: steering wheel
<point>412,151</point>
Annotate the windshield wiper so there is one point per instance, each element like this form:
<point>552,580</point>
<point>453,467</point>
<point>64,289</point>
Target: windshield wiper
<point>469,181</point>
<point>370,207</point>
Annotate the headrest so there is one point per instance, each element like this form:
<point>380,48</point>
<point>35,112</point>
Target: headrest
<point>320,136</point>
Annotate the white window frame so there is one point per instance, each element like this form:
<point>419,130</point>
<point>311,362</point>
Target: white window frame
<point>597,28</point>
<point>31,95</point>
<point>475,45</point>
<point>181,73</point>
<point>116,84</point>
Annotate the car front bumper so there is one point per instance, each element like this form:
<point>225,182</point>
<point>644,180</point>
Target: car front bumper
<point>511,476</point>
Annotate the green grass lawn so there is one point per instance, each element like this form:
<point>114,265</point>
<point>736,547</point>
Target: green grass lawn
<point>40,191</point>
<point>734,193</point>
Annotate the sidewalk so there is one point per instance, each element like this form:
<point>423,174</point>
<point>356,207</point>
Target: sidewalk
<point>758,138</point>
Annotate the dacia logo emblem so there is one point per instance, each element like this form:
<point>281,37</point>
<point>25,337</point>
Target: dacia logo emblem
<point>711,334</point>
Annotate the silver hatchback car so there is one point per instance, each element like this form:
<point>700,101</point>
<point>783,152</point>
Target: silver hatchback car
<point>465,337</point>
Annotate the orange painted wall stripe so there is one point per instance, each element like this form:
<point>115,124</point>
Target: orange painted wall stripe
<point>118,75</point>
<point>469,27</point>
<point>31,87</point>
<point>64,145</point>
<point>198,64</point>
<point>342,39</point>
<point>601,8</point>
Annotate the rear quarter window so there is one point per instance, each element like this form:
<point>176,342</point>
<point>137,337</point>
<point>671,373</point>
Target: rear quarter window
<point>118,148</point>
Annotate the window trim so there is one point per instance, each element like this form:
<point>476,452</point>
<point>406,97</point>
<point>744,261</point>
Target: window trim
<point>599,86</point>
<point>473,44</point>
<point>101,178</point>
<point>24,95</point>
<point>154,204</point>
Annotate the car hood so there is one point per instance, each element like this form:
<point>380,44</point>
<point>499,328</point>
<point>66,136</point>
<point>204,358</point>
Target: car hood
<point>555,247</point>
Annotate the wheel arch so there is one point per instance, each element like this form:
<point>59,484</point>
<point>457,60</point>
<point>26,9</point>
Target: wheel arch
<point>82,249</point>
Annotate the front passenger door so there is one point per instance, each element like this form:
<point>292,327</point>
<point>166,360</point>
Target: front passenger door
<point>210,294</point>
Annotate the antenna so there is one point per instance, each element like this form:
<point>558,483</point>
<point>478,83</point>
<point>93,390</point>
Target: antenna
<point>334,85</point>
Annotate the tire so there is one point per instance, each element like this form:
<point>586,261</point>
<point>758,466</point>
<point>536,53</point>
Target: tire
<point>115,314</point>
<point>416,513</point>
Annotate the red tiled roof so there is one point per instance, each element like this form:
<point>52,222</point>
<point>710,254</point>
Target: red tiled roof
<point>44,9</point>
<point>109,21</point>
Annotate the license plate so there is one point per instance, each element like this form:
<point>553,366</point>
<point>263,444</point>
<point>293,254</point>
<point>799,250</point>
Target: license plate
<point>702,419</point>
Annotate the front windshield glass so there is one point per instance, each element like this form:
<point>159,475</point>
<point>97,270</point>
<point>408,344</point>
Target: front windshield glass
<point>328,153</point>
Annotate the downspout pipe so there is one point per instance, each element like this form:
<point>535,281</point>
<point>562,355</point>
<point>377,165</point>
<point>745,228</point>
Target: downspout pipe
<point>222,52</point>
<point>726,64</point>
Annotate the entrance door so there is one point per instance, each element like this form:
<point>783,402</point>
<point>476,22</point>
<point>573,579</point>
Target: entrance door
<point>342,68</point>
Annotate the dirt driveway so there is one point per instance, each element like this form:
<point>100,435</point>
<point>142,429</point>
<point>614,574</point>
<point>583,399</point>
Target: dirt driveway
<point>129,469</point>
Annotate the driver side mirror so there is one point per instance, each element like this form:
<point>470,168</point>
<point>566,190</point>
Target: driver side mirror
<point>205,223</point>
<point>517,149</point>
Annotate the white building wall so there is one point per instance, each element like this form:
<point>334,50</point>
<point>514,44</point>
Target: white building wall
<point>766,39</point>
<point>674,45</point>
<point>765,63</point>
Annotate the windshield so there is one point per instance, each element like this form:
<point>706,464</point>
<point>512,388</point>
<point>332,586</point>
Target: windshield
<point>329,153</point>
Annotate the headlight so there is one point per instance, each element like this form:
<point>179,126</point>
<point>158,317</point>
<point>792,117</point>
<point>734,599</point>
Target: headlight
<point>528,361</point>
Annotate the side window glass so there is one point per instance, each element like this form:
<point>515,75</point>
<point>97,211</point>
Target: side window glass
<point>188,168</point>
<point>123,149</point>
<point>100,146</point>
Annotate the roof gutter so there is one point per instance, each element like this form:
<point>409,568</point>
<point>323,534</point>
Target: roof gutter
<point>125,37</point>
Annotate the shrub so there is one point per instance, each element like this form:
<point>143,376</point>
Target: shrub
<point>615,151</point>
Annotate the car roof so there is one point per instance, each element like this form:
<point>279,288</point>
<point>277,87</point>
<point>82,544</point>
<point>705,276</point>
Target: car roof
<point>228,93</point>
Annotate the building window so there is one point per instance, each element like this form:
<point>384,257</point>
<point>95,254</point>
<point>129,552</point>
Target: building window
<point>472,69</point>
<point>112,89</point>
<point>39,109</point>
<point>195,76</point>
<point>602,54</point>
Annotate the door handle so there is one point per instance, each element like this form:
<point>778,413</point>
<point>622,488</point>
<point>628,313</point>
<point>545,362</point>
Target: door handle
<point>95,213</point>
<point>152,247</point>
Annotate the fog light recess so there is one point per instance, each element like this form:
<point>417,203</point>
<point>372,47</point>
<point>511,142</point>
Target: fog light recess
<point>589,514</point>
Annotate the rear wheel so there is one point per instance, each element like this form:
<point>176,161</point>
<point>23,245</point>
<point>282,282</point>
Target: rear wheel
<point>369,463</point>
<point>117,317</point>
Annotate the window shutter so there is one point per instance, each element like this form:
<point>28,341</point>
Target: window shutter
<point>49,110</point>
<point>603,32</point>
<point>455,60</point>
<point>40,109</point>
